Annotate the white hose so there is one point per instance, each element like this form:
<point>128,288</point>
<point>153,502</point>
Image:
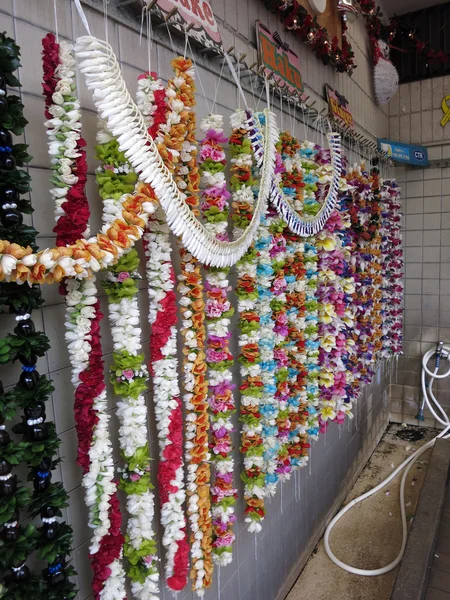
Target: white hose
<point>408,463</point>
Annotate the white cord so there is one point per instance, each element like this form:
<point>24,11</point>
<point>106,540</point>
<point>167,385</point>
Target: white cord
<point>408,463</point>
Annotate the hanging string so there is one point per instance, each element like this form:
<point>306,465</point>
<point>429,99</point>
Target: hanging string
<point>281,110</point>
<point>149,40</point>
<point>170,38</point>
<point>236,79</point>
<point>218,86</point>
<point>218,583</point>
<point>198,74</point>
<point>263,88</point>
<point>82,16</point>
<point>305,136</point>
<point>55,13</point>
<point>256,547</point>
<point>185,43</point>
<point>105,18</point>
<point>281,498</point>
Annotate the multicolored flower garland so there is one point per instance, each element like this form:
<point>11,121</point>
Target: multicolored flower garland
<point>129,379</point>
<point>292,185</point>
<point>391,250</point>
<point>310,207</point>
<point>269,405</point>
<point>218,310</point>
<point>83,324</point>
<point>249,324</point>
<point>194,334</point>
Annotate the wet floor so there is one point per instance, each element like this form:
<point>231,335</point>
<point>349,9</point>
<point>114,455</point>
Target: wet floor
<point>369,535</point>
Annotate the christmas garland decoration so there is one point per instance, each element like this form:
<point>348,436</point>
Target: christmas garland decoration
<point>163,337</point>
<point>195,385</point>
<point>68,157</point>
<point>307,29</point>
<point>39,445</point>
<point>249,325</point>
<point>129,379</point>
<point>218,311</point>
<point>379,28</point>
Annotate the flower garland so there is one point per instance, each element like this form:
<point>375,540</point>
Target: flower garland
<point>163,337</point>
<point>269,408</point>
<point>129,377</point>
<point>311,207</point>
<point>365,219</point>
<point>214,207</point>
<point>195,395</point>
<point>292,185</point>
<point>391,250</point>
<point>124,120</point>
<point>249,325</point>
<point>83,322</point>
<point>66,146</point>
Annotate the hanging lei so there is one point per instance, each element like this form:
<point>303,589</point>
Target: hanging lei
<point>129,379</point>
<point>376,267</point>
<point>249,325</point>
<point>280,330</point>
<point>292,186</point>
<point>163,337</point>
<point>83,323</point>
<point>195,395</point>
<point>365,219</point>
<point>310,207</point>
<point>40,443</point>
<point>392,254</point>
<point>218,309</point>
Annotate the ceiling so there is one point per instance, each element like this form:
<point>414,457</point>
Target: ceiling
<point>400,7</point>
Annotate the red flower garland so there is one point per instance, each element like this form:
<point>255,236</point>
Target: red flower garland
<point>69,228</point>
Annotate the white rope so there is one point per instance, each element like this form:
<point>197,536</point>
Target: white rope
<point>236,79</point>
<point>55,13</point>
<point>82,15</point>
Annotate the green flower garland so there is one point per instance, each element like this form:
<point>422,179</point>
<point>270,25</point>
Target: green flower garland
<point>129,376</point>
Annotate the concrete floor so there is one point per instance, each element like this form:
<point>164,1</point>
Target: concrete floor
<point>369,535</point>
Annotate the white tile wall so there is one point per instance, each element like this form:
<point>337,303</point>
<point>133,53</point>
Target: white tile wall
<point>29,21</point>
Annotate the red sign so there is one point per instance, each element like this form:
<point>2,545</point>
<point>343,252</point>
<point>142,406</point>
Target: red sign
<point>197,13</point>
<point>338,107</point>
<point>278,59</point>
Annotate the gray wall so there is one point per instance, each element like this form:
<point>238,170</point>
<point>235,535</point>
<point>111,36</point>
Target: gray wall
<point>415,115</point>
<point>293,524</point>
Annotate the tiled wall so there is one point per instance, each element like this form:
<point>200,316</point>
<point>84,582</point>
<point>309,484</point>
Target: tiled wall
<point>416,110</point>
<point>295,517</point>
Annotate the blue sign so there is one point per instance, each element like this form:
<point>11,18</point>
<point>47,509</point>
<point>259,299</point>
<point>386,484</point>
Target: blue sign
<point>405,153</point>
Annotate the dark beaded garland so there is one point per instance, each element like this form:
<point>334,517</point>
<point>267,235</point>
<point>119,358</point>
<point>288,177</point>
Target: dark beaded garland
<point>5,138</point>
<point>11,217</point>
<point>9,195</point>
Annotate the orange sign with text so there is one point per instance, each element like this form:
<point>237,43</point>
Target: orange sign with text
<point>338,107</point>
